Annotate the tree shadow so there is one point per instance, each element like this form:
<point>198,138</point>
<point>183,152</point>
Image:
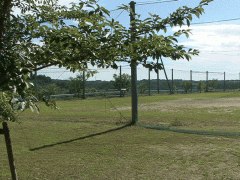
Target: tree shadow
<point>80,138</point>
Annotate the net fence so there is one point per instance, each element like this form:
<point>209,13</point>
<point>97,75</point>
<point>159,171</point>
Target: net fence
<point>195,112</point>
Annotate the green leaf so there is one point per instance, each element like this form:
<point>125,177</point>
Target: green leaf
<point>190,17</point>
<point>165,29</point>
<point>197,14</point>
<point>150,14</point>
<point>188,22</point>
<point>175,39</point>
<point>91,13</point>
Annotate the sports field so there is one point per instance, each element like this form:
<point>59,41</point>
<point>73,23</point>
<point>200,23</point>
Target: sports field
<point>88,139</point>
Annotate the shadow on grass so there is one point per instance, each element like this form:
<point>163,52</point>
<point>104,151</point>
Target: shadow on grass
<point>80,138</point>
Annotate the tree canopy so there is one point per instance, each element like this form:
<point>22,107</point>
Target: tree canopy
<point>122,82</point>
<point>75,47</point>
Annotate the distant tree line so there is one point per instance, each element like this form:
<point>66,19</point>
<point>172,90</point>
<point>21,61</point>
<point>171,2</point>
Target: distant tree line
<point>48,86</point>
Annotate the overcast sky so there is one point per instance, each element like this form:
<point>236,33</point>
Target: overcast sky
<point>216,34</point>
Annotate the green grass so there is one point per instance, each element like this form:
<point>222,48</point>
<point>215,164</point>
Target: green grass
<point>50,146</point>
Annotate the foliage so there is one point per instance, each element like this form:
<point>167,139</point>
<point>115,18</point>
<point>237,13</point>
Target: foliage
<point>212,84</point>
<point>122,82</point>
<point>5,108</point>
<point>89,42</point>
<point>48,90</point>
<point>142,88</point>
<point>186,86</point>
<point>41,78</point>
<point>201,85</point>
<point>76,84</point>
<point>10,103</point>
<point>63,84</point>
<point>175,89</point>
<point>91,90</point>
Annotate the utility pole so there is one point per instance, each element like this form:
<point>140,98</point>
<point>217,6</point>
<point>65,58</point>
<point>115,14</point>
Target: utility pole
<point>133,69</point>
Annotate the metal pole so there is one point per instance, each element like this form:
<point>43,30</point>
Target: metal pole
<point>206,81</point>
<point>191,79</point>
<point>149,81</point>
<point>133,69</point>
<point>172,82</point>
<point>158,79</point>
<point>224,83</point>
<point>84,94</point>
<point>120,81</point>
<point>239,80</point>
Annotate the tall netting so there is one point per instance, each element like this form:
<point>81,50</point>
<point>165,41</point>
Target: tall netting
<point>202,102</point>
<point>178,77</point>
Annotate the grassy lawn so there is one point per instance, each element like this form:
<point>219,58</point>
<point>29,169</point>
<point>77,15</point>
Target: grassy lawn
<point>84,139</point>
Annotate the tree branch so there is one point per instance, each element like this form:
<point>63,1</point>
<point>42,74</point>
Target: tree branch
<point>4,10</point>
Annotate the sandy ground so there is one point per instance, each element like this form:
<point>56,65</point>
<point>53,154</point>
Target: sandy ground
<point>229,103</point>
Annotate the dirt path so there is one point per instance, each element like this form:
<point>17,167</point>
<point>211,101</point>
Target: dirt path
<point>189,103</point>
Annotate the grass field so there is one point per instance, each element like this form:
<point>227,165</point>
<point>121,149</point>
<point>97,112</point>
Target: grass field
<point>86,139</point>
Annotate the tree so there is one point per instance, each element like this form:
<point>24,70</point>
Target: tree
<point>122,82</point>
<point>186,86</point>
<point>142,87</point>
<point>77,83</point>
<point>201,85</point>
<point>74,47</point>
<point>175,89</point>
<point>212,84</point>
<point>51,89</point>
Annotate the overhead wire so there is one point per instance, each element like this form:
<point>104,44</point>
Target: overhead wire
<point>147,2</point>
<point>154,2</point>
<point>209,22</point>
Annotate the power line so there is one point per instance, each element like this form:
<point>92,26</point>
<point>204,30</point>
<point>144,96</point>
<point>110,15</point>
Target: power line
<point>154,2</point>
<point>217,21</point>
<point>147,2</point>
<point>119,14</point>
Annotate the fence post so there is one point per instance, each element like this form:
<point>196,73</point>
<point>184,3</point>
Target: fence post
<point>84,93</point>
<point>206,81</point>
<point>239,80</point>
<point>121,86</point>
<point>191,79</point>
<point>149,85</point>
<point>172,82</point>
<point>5,131</point>
<point>224,82</point>
<point>158,78</point>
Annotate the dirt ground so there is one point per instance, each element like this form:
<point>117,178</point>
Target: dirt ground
<point>167,106</point>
